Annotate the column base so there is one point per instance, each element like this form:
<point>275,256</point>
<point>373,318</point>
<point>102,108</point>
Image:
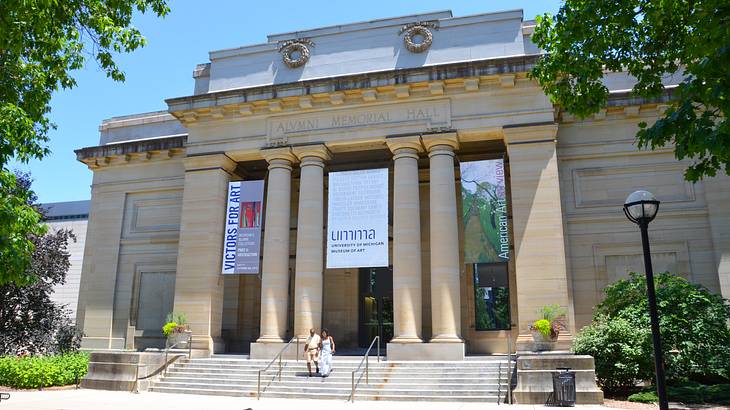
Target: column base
<point>269,350</point>
<point>209,344</point>
<point>446,339</point>
<point>425,351</point>
<point>406,339</point>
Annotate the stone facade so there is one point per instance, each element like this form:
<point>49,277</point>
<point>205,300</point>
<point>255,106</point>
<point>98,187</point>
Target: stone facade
<point>364,100</point>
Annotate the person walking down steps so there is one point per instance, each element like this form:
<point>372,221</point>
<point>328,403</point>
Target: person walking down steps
<point>311,351</point>
<point>327,349</point>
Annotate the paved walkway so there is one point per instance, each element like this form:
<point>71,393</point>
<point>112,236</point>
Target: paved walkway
<point>108,400</point>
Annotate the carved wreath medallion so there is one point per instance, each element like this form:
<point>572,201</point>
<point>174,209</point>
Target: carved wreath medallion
<point>415,30</point>
<point>295,53</point>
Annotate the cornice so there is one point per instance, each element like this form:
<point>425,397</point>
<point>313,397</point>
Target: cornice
<point>132,152</point>
<point>393,85</point>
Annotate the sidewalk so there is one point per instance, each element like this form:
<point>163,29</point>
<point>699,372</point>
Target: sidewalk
<point>110,400</point>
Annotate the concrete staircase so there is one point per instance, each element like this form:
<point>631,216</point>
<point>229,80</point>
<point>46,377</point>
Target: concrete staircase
<point>483,380</point>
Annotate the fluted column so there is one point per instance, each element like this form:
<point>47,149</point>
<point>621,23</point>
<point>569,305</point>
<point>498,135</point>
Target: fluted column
<point>310,240</point>
<point>275,270</point>
<point>406,240</point>
<point>444,239</point>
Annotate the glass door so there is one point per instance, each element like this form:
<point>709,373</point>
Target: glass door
<point>376,305</point>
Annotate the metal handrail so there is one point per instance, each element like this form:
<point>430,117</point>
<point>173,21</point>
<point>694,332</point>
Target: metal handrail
<point>367,365</point>
<point>278,373</point>
<point>165,365</point>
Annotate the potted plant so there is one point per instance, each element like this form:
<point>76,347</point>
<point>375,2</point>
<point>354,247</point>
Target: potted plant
<point>545,330</point>
<point>176,330</point>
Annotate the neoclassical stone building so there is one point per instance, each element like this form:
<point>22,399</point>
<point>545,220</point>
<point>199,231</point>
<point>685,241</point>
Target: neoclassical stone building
<point>419,96</point>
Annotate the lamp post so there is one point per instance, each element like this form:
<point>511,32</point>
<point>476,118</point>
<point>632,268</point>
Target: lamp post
<point>641,207</point>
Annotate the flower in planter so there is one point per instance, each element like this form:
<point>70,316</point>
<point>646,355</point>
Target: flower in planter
<point>551,322</point>
<point>176,323</point>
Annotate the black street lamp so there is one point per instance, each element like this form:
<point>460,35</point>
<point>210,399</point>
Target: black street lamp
<point>641,208</point>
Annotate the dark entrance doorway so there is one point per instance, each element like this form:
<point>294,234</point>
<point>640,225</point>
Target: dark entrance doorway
<point>376,305</point>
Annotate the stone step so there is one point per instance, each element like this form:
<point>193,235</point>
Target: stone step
<point>323,396</point>
<point>342,383</point>
<point>341,376</point>
<point>449,370</point>
<point>355,363</point>
<point>362,389</point>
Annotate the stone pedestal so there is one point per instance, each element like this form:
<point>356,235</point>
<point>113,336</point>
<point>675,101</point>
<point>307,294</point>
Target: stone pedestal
<point>535,377</point>
<point>119,370</point>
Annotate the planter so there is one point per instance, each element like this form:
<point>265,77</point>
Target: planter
<point>544,343</point>
<point>179,338</point>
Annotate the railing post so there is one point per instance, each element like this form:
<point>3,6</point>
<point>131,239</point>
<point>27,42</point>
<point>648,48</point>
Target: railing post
<point>367,365</point>
<point>190,345</point>
<point>352,395</point>
<point>297,355</point>
<point>378,349</point>
<point>258,386</point>
<point>280,365</point>
<point>509,368</point>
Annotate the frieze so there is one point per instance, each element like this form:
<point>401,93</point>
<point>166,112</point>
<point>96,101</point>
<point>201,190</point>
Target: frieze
<point>435,114</point>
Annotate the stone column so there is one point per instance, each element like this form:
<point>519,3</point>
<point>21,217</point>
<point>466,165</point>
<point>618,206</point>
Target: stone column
<point>406,240</point>
<point>310,240</point>
<point>717,195</point>
<point>444,239</point>
<point>198,281</point>
<point>275,269</point>
<point>541,275</point>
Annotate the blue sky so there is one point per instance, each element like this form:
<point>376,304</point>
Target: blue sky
<point>163,68</point>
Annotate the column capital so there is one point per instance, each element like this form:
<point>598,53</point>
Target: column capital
<point>210,161</point>
<point>530,133</point>
<point>279,157</point>
<point>318,152</point>
<point>448,139</point>
<point>412,142</point>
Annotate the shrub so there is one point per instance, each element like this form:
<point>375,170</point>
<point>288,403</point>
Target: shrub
<point>33,371</point>
<point>687,392</point>
<point>619,351</point>
<point>644,397</point>
<point>693,324</point>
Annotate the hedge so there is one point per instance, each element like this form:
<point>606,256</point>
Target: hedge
<point>32,372</point>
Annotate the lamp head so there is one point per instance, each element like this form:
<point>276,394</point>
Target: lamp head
<point>641,207</point>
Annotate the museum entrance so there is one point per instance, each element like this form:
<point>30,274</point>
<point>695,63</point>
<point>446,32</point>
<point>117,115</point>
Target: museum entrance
<point>376,305</point>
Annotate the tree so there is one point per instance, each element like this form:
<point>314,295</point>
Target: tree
<point>649,40</point>
<point>29,321</point>
<point>694,330</point>
<point>41,43</point>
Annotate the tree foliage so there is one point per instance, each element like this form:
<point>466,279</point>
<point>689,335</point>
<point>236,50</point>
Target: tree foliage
<point>41,43</point>
<point>29,321</point>
<point>649,40</point>
<point>694,330</point>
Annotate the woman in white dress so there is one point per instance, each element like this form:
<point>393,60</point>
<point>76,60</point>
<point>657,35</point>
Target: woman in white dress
<point>326,350</point>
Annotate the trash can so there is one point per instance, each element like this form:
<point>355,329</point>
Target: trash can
<point>563,388</point>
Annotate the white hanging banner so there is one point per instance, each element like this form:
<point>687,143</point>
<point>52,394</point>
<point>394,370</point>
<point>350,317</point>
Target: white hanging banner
<point>357,219</point>
<point>242,238</point>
